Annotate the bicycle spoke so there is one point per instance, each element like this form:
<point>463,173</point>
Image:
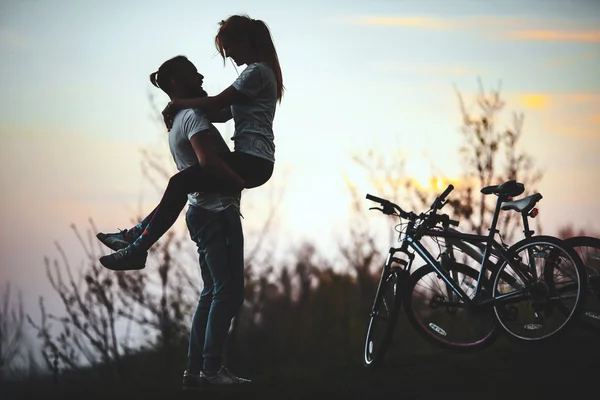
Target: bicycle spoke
<point>449,323</point>
<point>546,304</point>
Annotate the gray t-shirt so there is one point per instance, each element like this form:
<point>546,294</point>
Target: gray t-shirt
<point>254,120</point>
<point>186,124</point>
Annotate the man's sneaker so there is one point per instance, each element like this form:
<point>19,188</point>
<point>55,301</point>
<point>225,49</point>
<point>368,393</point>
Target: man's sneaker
<point>193,381</point>
<point>125,259</point>
<point>115,241</point>
<point>223,377</point>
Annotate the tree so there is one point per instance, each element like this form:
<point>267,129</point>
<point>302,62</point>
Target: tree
<point>484,145</point>
<point>491,155</point>
<point>12,336</point>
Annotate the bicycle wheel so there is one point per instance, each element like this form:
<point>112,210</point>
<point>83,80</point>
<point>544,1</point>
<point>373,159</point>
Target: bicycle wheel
<point>436,312</point>
<point>382,320</point>
<point>536,306</point>
<point>588,249</point>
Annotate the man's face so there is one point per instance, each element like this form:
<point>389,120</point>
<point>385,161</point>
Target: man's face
<point>190,81</point>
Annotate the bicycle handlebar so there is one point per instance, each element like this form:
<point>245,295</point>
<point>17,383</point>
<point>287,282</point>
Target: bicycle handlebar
<point>446,192</point>
<point>444,219</point>
<point>438,203</point>
<point>376,199</point>
<point>389,207</point>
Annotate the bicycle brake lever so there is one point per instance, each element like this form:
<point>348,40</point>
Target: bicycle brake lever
<point>442,204</point>
<point>376,208</point>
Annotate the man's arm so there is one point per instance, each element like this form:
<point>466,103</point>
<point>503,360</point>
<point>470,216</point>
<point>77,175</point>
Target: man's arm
<point>210,160</point>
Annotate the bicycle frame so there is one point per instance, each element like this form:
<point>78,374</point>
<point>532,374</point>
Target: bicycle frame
<point>476,250</point>
<point>488,243</point>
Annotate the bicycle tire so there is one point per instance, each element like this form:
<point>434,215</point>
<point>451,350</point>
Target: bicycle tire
<point>588,249</point>
<point>543,300</point>
<point>382,320</point>
<point>437,327</point>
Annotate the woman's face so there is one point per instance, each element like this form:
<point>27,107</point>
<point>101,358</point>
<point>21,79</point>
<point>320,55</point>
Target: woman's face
<point>237,50</point>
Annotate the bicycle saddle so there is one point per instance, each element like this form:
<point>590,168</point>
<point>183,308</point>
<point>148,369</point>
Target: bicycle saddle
<point>523,205</point>
<point>510,188</point>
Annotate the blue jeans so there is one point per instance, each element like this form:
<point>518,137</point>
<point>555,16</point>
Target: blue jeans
<point>220,242</point>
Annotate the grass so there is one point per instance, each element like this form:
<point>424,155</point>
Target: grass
<point>564,369</point>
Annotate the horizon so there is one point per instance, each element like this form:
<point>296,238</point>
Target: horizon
<point>359,76</point>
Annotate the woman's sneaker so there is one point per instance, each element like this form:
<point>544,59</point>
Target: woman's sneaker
<point>116,241</point>
<point>129,258</point>
<point>223,377</point>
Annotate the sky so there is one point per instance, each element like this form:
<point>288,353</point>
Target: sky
<point>74,108</point>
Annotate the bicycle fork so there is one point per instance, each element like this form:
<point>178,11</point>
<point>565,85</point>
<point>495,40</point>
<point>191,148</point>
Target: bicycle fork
<point>403,271</point>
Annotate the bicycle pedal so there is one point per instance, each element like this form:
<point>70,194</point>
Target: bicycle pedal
<point>591,317</point>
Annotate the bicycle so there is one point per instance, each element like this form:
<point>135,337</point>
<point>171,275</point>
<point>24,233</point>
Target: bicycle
<point>464,295</point>
<point>587,248</point>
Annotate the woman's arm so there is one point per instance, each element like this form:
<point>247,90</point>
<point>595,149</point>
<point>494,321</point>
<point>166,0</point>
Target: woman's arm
<point>207,104</point>
<point>223,115</point>
<point>224,99</point>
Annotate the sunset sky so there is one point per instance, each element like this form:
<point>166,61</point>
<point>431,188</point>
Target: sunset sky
<point>74,109</point>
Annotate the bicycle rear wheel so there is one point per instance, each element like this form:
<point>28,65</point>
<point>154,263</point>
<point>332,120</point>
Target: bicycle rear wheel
<point>384,315</point>
<point>436,312</point>
<point>541,293</point>
<point>588,249</point>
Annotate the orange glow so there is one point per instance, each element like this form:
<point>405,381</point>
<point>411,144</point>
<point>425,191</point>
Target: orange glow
<point>560,36</point>
<point>535,101</point>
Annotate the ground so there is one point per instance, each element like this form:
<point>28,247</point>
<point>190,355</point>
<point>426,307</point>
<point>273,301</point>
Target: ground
<point>566,369</point>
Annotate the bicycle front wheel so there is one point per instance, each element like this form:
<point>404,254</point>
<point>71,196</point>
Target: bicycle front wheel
<point>382,320</point>
<point>540,292</point>
<point>440,316</point>
<point>588,249</point>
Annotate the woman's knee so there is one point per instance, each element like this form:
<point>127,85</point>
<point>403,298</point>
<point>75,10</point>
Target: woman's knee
<point>176,182</point>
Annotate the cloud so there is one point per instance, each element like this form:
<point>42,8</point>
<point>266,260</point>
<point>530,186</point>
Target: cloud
<point>592,36</point>
<point>513,28</point>
<point>535,101</point>
<point>440,23</point>
<point>574,59</point>
<point>573,114</point>
<point>576,131</point>
<point>581,98</point>
<point>547,99</point>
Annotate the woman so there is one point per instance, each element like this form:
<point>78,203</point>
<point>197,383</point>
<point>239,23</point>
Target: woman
<point>251,101</point>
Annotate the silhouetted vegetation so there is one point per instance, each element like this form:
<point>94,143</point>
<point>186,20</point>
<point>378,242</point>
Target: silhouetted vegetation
<point>490,154</point>
<point>12,334</point>
<point>299,314</point>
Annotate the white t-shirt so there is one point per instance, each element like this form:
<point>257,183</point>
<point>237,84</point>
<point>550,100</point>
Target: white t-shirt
<point>186,124</point>
<point>254,120</point>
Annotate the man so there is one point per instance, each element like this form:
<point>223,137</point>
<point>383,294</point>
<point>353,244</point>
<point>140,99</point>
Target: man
<point>213,220</point>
